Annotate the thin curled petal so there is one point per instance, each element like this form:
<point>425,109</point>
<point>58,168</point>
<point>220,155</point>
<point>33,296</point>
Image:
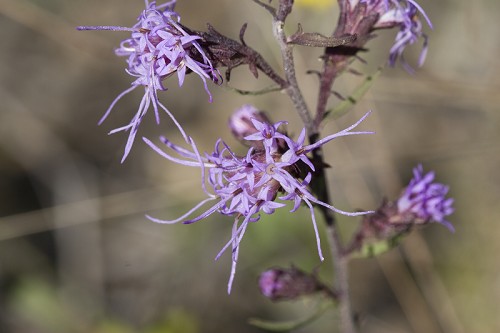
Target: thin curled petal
<point>344,132</point>
<point>168,157</point>
<point>183,217</point>
<point>316,232</point>
<point>234,260</point>
<point>108,111</point>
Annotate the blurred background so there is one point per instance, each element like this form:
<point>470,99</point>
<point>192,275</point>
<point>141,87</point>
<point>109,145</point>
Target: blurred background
<point>78,255</point>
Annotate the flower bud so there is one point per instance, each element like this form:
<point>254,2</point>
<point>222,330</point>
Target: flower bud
<point>241,124</point>
<point>287,283</point>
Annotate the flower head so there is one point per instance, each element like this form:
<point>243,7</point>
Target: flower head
<point>159,47</point>
<point>279,284</point>
<point>261,181</point>
<point>426,200</point>
<point>405,15</point>
<point>423,201</point>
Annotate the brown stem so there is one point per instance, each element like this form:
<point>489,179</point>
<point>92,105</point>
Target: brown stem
<point>336,59</point>
<point>341,279</point>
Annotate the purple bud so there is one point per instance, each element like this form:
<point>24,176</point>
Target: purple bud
<point>279,284</point>
<point>241,124</point>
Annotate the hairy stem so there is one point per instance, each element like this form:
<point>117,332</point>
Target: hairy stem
<point>293,89</point>
<point>341,283</point>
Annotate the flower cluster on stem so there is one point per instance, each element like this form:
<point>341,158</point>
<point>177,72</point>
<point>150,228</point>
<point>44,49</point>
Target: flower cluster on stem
<point>403,14</point>
<point>159,47</point>
<point>422,202</point>
<point>275,169</point>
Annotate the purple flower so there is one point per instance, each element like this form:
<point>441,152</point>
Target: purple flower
<point>395,13</point>
<point>422,202</point>
<point>426,200</point>
<point>405,15</point>
<point>245,186</point>
<point>158,48</point>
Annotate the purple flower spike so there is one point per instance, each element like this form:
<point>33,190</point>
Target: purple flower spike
<point>158,48</point>
<point>245,186</point>
<point>425,199</point>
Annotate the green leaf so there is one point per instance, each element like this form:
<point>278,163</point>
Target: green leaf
<point>287,326</point>
<point>360,91</point>
<point>37,302</point>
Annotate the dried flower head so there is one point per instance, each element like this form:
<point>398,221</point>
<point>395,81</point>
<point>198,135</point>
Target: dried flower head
<point>245,186</point>
<point>159,46</point>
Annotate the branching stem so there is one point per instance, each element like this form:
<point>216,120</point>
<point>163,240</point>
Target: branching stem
<point>293,89</point>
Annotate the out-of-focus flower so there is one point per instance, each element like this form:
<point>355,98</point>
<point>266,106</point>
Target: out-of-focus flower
<point>279,284</point>
<point>158,48</point>
<point>407,18</point>
<point>425,200</point>
<point>404,14</point>
<point>244,186</point>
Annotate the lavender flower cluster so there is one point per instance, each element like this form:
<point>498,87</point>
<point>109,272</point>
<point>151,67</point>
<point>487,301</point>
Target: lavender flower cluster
<point>276,169</point>
<point>158,48</point>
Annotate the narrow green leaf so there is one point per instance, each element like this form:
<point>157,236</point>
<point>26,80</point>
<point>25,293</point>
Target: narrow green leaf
<point>360,91</point>
<point>287,326</point>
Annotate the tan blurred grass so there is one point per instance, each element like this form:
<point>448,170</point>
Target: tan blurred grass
<point>67,200</point>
